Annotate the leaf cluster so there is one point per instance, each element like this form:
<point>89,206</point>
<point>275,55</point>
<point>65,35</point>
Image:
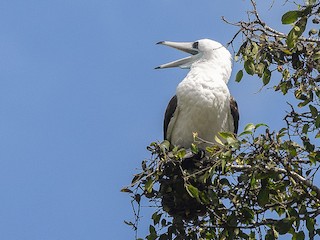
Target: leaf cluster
<point>250,184</point>
<point>291,60</point>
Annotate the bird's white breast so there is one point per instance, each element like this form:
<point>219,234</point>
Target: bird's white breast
<point>203,107</point>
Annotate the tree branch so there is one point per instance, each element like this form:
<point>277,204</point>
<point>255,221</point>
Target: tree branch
<point>292,174</point>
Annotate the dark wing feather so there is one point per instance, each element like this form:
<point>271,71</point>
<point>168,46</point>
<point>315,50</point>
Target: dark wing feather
<point>169,114</point>
<point>235,114</point>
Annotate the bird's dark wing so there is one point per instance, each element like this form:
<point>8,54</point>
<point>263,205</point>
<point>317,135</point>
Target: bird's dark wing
<point>235,114</point>
<point>171,108</point>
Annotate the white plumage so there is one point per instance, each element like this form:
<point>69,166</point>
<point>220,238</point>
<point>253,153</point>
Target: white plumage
<point>203,104</point>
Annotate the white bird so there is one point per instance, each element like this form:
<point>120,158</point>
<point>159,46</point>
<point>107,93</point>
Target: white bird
<point>202,103</point>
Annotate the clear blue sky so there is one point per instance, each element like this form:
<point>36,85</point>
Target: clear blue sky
<point>80,101</point>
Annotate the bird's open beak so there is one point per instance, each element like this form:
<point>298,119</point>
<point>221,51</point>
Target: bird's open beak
<point>182,46</point>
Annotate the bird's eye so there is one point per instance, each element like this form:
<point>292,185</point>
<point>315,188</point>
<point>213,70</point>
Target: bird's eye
<point>195,45</point>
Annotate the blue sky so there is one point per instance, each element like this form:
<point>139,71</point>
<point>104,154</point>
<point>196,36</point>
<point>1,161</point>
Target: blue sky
<point>80,101</point>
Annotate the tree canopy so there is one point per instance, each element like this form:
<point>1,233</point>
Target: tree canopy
<point>258,184</point>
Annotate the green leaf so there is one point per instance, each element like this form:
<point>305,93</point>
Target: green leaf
<point>266,76</point>
<point>181,153</point>
<point>293,151</point>
<point>165,145</point>
<point>249,67</point>
<point>231,140</point>
<point>218,140</point>
<point>148,186</point>
<point>249,127</point>
<point>194,148</point>
<point>226,135</point>
<point>204,198</point>
<point>193,191</point>
<point>239,76</point>
<point>255,48</point>
<point>290,17</point>
<point>261,125</point>
<point>223,165</point>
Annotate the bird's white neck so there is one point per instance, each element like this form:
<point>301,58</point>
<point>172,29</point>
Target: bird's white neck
<point>216,67</point>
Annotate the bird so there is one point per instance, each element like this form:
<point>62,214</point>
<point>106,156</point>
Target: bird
<point>202,103</point>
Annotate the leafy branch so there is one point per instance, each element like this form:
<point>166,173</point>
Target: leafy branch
<point>229,191</point>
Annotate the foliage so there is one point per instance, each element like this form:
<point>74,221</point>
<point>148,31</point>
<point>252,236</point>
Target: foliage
<point>260,183</point>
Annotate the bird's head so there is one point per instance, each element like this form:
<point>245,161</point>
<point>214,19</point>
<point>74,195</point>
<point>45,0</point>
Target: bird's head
<point>202,51</point>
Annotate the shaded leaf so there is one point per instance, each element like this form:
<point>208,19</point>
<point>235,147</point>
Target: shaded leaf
<point>298,236</point>
<point>249,67</point>
<point>317,122</point>
<point>305,128</point>
<point>296,32</point>
<point>266,76</point>
<point>283,226</point>
<point>313,110</point>
<point>125,189</point>
<point>310,224</point>
<point>153,233</point>
<point>263,196</point>
<point>136,178</point>
<point>239,76</point>
<point>137,198</point>
<point>156,218</point>
<point>270,235</point>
